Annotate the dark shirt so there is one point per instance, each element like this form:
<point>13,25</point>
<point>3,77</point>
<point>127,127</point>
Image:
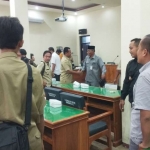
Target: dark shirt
<point>25,59</point>
<point>132,73</point>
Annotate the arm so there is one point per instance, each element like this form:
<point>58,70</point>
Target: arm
<point>145,127</point>
<point>73,72</point>
<point>126,85</point>
<point>53,68</point>
<point>68,68</point>
<point>39,100</point>
<point>53,62</point>
<point>40,125</point>
<point>118,72</point>
<point>125,89</point>
<point>84,65</point>
<point>103,68</point>
<point>40,67</point>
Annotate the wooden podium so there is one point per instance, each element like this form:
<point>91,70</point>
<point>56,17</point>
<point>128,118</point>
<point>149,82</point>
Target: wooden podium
<point>110,74</point>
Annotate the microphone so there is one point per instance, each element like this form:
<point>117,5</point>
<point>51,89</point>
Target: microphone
<point>115,58</point>
<point>113,62</point>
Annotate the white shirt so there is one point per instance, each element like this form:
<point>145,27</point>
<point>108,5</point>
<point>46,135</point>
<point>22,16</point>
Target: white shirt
<point>56,60</point>
<point>141,96</point>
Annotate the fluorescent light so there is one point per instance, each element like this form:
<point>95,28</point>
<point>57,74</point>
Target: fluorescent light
<point>75,13</point>
<point>73,0</point>
<point>103,6</point>
<point>36,7</point>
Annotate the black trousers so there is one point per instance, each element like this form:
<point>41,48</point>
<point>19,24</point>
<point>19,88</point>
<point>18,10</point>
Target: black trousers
<point>57,77</point>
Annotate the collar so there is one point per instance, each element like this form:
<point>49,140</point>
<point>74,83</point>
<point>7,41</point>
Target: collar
<point>66,57</point>
<point>146,66</point>
<point>92,56</point>
<point>8,54</point>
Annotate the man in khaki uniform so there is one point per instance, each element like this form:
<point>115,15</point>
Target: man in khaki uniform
<point>45,68</point>
<point>66,67</point>
<point>13,83</point>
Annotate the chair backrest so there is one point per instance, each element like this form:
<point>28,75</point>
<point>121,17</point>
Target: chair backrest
<point>72,100</point>
<point>52,93</point>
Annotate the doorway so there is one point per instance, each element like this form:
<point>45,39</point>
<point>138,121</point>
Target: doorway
<point>84,42</point>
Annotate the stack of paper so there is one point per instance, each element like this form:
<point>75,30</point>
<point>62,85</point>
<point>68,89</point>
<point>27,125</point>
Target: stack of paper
<point>55,103</point>
<point>55,111</point>
<point>111,86</point>
<point>53,81</point>
<point>84,86</point>
<point>76,84</point>
<point>78,68</point>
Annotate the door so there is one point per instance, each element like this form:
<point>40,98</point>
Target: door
<point>84,42</point>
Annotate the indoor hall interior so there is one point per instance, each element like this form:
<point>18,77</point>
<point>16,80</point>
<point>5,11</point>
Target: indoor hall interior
<point>105,24</point>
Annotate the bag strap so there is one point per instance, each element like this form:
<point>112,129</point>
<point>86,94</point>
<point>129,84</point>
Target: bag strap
<point>43,69</point>
<point>27,122</point>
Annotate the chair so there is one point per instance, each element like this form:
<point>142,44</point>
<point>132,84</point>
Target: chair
<point>99,125</point>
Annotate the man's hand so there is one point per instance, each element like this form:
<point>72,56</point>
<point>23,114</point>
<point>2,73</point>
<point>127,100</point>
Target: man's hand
<point>115,81</point>
<point>121,105</point>
<point>44,84</point>
<point>142,147</point>
<point>103,76</point>
<point>79,72</point>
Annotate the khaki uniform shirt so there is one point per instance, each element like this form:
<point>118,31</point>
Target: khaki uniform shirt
<point>47,76</point>
<point>13,88</point>
<point>65,66</point>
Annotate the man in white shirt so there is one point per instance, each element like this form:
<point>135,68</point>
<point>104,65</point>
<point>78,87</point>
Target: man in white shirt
<point>140,115</point>
<point>55,64</point>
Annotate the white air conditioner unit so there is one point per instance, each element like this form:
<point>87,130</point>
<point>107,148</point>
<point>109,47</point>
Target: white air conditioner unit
<point>33,20</point>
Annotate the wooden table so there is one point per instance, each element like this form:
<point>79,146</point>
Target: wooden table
<point>100,99</point>
<point>66,128</point>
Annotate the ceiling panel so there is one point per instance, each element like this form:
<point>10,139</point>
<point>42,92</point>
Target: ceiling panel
<point>72,5</point>
<point>79,3</point>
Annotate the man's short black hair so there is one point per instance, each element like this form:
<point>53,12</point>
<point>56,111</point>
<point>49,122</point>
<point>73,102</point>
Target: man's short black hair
<point>145,43</point>
<point>23,52</point>
<point>136,41</point>
<point>58,51</point>
<point>51,49</point>
<point>11,32</point>
<point>45,52</point>
<point>66,49</point>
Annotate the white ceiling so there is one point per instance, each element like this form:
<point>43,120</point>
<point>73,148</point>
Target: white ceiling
<point>79,3</point>
<point>72,4</point>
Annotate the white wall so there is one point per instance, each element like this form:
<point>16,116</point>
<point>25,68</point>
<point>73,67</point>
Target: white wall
<point>104,27</point>
<point>50,33</point>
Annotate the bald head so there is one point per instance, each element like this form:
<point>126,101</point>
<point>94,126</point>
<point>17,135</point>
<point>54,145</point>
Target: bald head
<point>148,35</point>
<point>145,43</point>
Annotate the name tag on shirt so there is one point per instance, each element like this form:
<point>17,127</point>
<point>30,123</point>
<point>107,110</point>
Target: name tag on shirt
<point>91,67</point>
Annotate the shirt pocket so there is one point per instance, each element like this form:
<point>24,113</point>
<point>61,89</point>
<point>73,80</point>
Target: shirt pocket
<point>47,71</point>
<point>94,65</point>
